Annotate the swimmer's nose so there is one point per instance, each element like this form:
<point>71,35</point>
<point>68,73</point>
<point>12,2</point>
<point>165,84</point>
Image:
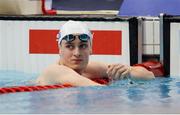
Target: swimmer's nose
<point>77,52</point>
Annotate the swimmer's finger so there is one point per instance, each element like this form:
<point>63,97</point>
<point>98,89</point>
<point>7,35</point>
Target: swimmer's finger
<point>126,73</point>
<point>110,69</point>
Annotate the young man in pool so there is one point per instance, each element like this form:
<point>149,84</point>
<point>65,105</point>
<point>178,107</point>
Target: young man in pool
<point>74,67</point>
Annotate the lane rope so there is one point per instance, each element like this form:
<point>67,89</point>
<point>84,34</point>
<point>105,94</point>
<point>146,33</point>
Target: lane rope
<point>15,89</point>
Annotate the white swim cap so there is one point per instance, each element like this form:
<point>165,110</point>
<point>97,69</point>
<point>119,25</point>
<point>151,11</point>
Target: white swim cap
<point>73,27</point>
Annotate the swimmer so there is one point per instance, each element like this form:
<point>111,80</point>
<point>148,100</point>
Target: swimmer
<point>74,67</point>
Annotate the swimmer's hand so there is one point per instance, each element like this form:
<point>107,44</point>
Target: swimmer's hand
<point>118,71</point>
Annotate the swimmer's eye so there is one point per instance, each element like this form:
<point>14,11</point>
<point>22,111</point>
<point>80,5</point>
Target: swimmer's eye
<point>70,46</point>
<point>83,46</point>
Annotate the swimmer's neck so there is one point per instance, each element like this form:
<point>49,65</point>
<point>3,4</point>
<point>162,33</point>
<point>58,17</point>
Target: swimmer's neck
<point>76,70</point>
<point>79,71</point>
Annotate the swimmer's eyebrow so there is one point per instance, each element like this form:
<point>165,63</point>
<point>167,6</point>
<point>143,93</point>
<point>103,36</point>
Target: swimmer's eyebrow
<point>84,42</point>
<point>70,42</point>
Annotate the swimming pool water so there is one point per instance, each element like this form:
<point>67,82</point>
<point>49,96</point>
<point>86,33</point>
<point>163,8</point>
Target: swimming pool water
<point>161,95</point>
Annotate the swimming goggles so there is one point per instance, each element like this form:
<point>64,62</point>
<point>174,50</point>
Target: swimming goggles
<point>71,37</point>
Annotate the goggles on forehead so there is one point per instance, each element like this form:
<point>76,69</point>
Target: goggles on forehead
<point>71,37</point>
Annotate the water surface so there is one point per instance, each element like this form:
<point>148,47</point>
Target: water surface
<point>161,95</point>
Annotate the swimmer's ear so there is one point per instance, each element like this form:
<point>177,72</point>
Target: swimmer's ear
<point>91,51</point>
<point>59,52</point>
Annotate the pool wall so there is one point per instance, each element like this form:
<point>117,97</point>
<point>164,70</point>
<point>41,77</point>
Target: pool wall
<point>29,44</point>
<point>171,43</point>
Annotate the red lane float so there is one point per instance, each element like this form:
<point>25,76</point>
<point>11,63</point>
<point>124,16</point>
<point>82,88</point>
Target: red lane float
<point>14,89</point>
<point>154,66</point>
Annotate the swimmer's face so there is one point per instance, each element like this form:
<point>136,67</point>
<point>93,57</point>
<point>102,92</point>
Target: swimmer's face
<point>75,53</point>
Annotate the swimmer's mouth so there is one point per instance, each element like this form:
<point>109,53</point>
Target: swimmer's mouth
<point>77,60</point>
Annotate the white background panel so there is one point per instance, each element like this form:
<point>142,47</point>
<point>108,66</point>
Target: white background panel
<point>14,45</point>
<point>175,49</point>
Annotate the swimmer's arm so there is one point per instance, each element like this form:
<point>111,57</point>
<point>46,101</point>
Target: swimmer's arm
<point>119,71</point>
<point>63,75</point>
<point>96,70</point>
<point>139,72</point>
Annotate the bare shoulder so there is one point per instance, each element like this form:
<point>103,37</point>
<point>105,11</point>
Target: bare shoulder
<point>53,69</point>
<point>51,73</point>
<point>56,68</point>
<point>60,74</point>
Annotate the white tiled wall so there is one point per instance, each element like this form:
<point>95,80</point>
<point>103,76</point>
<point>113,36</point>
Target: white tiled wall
<point>148,49</point>
<point>156,31</point>
<point>151,39</point>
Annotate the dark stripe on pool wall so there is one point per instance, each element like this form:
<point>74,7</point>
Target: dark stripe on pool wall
<point>105,42</point>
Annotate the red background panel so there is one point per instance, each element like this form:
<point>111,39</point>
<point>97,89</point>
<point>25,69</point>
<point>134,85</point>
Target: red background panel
<point>43,42</point>
<point>105,42</point>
